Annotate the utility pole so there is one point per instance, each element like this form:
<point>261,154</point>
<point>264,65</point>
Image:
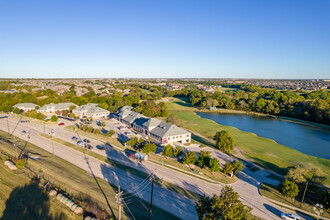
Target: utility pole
<point>8,125</point>
<point>44,127</point>
<point>118,200</point>
<point>152,192</point>
<point>52,133</point>
<point>304,194</point>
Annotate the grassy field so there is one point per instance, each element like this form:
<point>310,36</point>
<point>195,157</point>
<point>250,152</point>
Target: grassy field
<point>271,191</point>
<point>16,189</point>
<point>81,184</point>
<point>263,151</point>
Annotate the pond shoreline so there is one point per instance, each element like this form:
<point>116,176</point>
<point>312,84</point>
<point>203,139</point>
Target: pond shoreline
<point>283,118</point>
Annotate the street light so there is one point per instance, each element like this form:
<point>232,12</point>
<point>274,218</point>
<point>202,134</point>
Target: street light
<point>53,134</point>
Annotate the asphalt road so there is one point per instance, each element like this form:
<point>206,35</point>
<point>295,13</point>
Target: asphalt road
<point>246,186</point>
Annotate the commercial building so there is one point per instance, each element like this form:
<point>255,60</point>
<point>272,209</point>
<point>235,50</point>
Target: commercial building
<point>91,110</point>
<point>159,131</point>
<point>52,108</point>
<point>26,106</point>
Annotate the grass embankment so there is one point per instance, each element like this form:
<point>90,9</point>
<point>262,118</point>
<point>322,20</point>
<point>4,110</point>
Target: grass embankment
<point>272,192</point>
<point>16,189</point>
<point>128,169</point>
<point>79,183</point>
<point>217,176</point>
<point>265,152</point>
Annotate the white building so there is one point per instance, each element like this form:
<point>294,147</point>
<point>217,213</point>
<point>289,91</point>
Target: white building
<point>159,131</point>
<point>26,106</point>
<point>91,110</point>
<point>52,108</point>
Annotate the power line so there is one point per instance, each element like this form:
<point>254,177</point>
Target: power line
<point>128,209</point>
<point>139,185</point>
<point>136,193</point>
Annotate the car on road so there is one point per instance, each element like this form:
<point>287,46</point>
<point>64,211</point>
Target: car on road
<point>23,132</point>
<point>80,143</point>
<point>60,124</point>
<point>100,147</point>
<point>89,147</point>
<point>86,140</point>
<point>74,138</point>
<point>289,216</point>
<point>128,133</point>
<point>4,117</point>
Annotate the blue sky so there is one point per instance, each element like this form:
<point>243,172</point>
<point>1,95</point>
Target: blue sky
<point>170,38</point>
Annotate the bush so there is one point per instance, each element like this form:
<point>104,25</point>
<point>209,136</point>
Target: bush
<point>149,147</point>
<point>214,165</point>
<point>53,118</point>
<point>178,151</point>
<point>20,163</point>
<point>189,158</point>
<point>228,168</point>
<point>168,151</point>
<point>289,188</point>
<point>16,110</point>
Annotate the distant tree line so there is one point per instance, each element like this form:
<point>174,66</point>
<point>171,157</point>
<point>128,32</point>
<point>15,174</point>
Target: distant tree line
<point>311,106</point>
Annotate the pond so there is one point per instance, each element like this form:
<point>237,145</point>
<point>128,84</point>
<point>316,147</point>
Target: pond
<point>306,139</point>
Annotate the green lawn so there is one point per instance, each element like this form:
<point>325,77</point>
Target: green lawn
<point>271,191</point>
<point>227,89</point>
<point>81,184</point>
<point>263,151</point>
<point>16,189</point>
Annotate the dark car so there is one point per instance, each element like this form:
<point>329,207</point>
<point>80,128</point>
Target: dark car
<point>74,138</point>
<point>89,147</point>
<point>86,141</point>
<point>23,132</point>
<point>100,147</point>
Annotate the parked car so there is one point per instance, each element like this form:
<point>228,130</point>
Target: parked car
<point>86,141</point>
<point>74,139</point>
<point>289,216</point>
<point>80,143</point>
<point>23,132</point>
<point>60,124</point>
<point>100,147</point>
<point>89,147</point>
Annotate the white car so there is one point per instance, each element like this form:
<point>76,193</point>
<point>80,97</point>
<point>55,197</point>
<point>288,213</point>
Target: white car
<point>289,216</point>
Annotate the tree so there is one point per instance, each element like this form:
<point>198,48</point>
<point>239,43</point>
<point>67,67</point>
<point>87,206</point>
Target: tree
<point>224,141</point>
<point>326,200</point>
<point>132,142</point>
<point>174,119</point>
<point>111,133</point>
<point>226,206</point>
<point>16,110</point>
<point>289,188</point>
<point>178,151</point>
<point>214,165</point>
<point>228,168</point>
<point>65,113</point>
<point>96,131</point>
<point>58,112</point>
<point>189,158</point>
<point>103,124</point>
<point>238,166</point>
<point>149,147</point>
<point>72,115</point>
<point>168,151</point>
<point>140,142</point>
<point>53,118</point>
<point>204,158</point>
<point>297,174</point>
<point>72,107</point>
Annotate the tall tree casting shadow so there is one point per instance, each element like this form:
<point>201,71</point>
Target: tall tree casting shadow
<point>29,202</point>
